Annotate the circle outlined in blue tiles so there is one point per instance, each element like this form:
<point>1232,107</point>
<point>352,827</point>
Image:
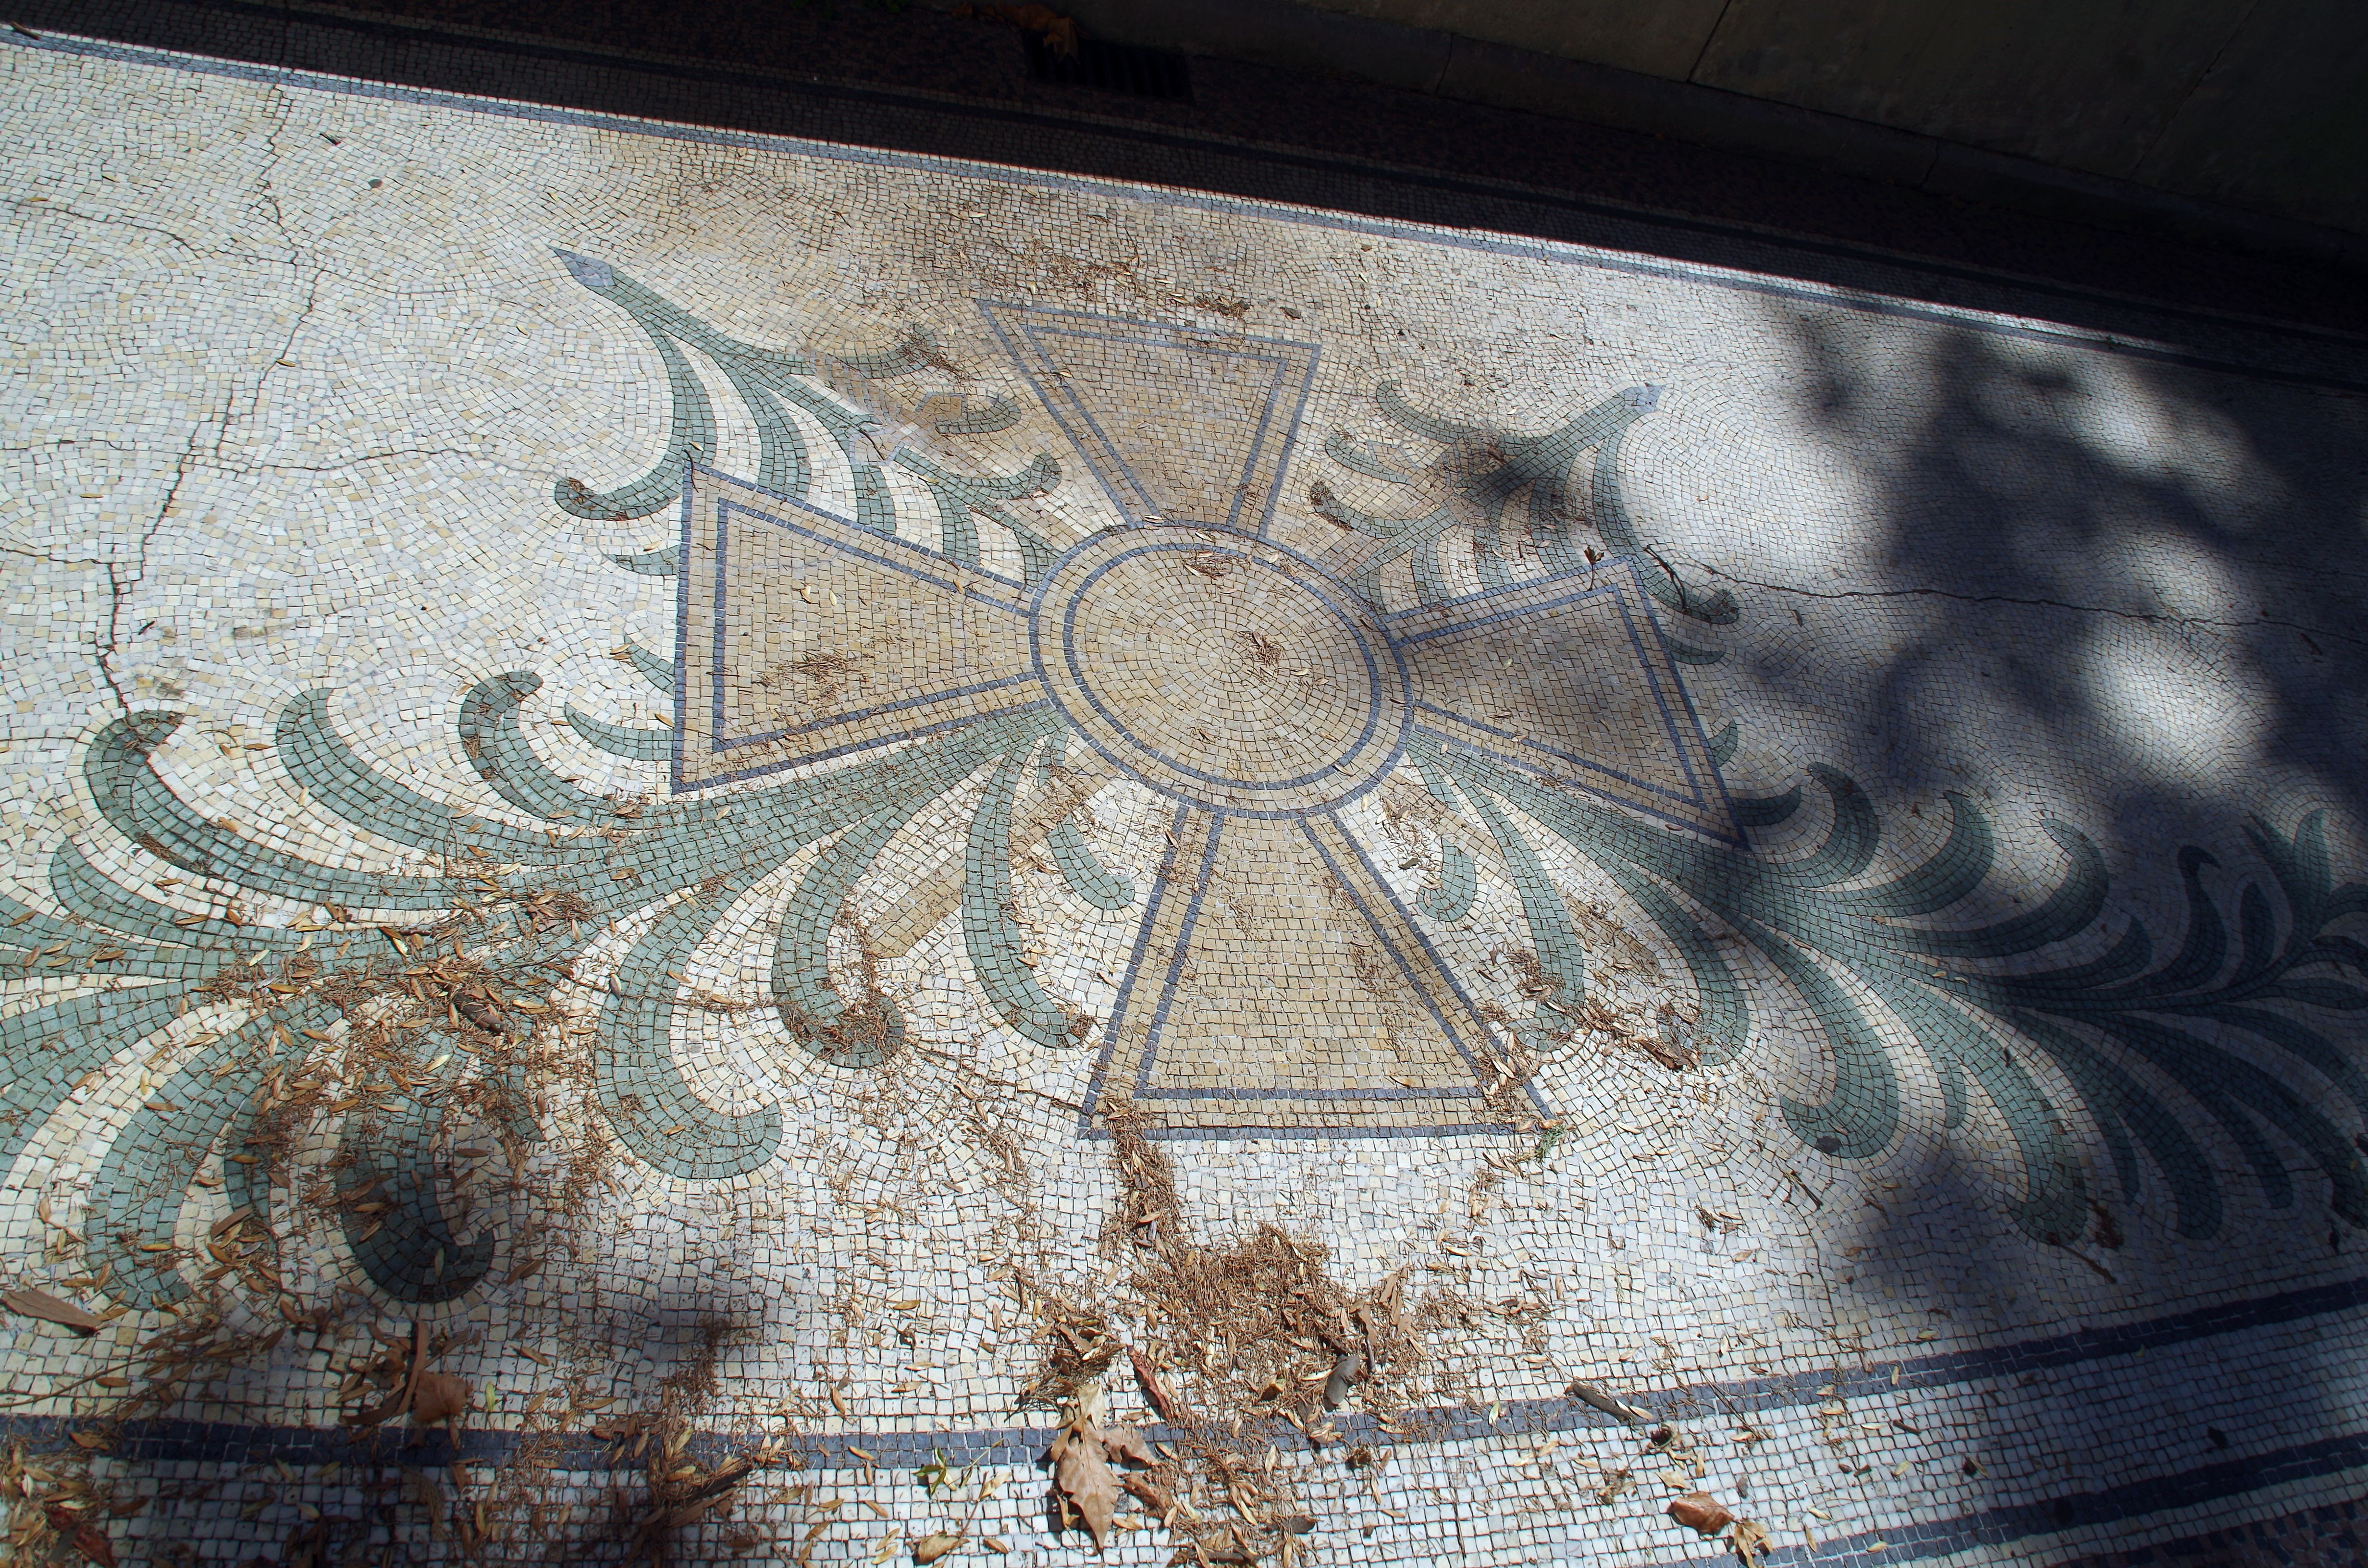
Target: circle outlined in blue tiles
<point>1366,683</point>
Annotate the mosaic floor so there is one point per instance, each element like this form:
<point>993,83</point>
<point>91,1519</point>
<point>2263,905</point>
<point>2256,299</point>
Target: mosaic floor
<point>732,850</point>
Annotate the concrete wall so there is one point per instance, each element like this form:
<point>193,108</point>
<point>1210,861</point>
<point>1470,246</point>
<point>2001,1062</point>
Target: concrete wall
<point>2258,104</point>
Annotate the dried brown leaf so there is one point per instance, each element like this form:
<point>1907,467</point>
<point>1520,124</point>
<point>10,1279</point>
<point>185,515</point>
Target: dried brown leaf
<point>398,1400</point>
<point>1085,1480</point>
<point>438,1396</point>
<point>1676,1058</point>
<point>1125,1443</point>
<point>87,1537</point>
<point>936,1544</point>
<point>1612,1404</point>
<point>1700,1512</point>
<point>1155,1387</point>
<point>1750,1540</point>
<point>1153,1495</point>
<point>1348,1371</point>
<point>34,1304</point>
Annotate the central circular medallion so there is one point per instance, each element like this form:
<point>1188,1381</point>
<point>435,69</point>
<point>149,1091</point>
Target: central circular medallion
<point>1219,668</point>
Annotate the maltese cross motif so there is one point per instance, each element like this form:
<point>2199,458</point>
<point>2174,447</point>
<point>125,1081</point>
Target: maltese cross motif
<point>1287,691</point>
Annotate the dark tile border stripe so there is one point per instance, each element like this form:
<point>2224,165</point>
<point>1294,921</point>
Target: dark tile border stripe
<point>183,1442</point>
<point>174,1441</point>
<point>2076,1510</point>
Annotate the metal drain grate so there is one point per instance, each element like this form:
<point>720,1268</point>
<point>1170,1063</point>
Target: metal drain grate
<point>1111,67</point>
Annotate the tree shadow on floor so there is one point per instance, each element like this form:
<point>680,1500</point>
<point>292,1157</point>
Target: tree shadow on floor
<point>2116,601</point>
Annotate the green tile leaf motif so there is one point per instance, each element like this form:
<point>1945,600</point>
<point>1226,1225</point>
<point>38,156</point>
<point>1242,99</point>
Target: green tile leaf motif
<point>622,740</point>
<point>658,672</point>
<point>1086,875</point>
<point>1483,469</point>
<point>2159,1055</point>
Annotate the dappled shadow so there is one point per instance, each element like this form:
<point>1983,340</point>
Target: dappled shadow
<point>2070,525</point>
<point>2123,597</point>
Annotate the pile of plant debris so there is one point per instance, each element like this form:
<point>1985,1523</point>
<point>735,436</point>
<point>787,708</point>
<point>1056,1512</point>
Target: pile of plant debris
<point>1237,1343</point>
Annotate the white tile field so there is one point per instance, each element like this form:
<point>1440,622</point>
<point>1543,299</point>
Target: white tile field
<point>731,850</point>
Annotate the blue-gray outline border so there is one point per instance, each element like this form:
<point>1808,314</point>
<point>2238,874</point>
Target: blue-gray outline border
<point>725,506</point>
<point>1101,452</point>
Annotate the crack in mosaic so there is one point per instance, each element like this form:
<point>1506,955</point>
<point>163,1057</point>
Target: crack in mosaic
<point>1282,978</point>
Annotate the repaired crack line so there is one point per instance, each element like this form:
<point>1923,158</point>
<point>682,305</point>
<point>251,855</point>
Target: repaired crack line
<point>2148,617</point>
<point>118,589</point>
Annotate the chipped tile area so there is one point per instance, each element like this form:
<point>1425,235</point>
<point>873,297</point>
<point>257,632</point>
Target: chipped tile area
<point>724,850</point>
